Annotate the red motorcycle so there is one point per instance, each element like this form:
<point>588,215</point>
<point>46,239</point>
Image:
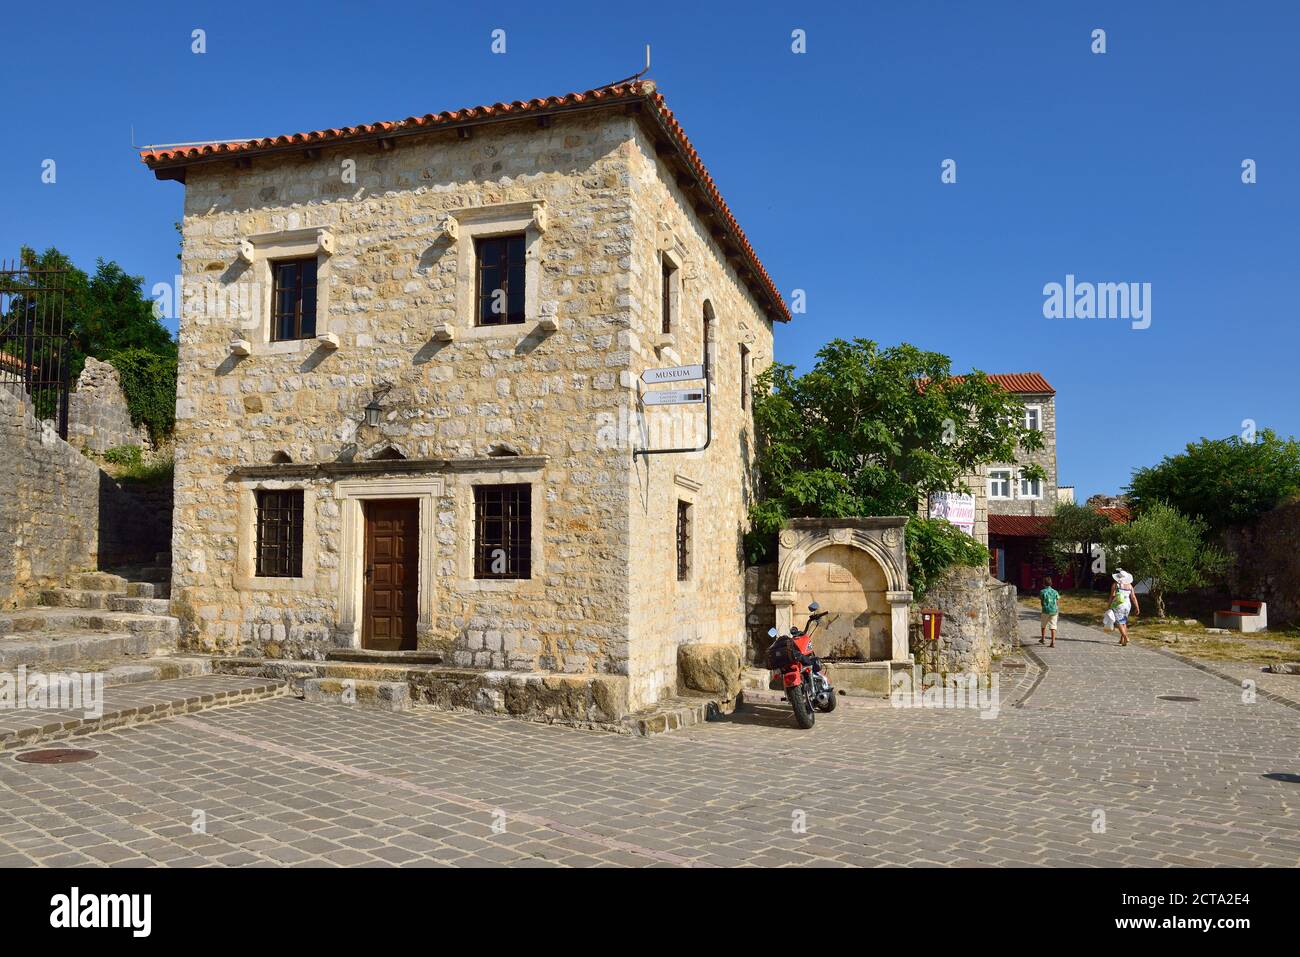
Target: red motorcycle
<point>798,672</point>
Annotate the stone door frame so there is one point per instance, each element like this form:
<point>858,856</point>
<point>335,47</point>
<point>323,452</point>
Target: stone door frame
<point>350,493</point>
<point>879,537</point>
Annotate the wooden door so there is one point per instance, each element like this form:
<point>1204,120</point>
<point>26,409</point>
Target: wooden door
<point>391,575</point>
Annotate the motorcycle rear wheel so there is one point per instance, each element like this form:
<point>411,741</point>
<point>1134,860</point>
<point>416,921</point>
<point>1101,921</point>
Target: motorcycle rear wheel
<point>804,716</point>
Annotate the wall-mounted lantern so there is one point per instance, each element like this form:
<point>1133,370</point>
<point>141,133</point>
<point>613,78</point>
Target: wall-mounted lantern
<point>373,408</point>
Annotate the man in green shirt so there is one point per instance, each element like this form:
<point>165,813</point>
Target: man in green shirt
<point>1049,597</point>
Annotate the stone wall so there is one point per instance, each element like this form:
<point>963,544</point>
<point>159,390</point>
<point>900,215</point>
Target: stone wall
<point>98,416</point>
<point>59,514</point>
<point>760,613</point>
<point>1045,457</point>
<point>980,621</point>
<point>1267,564</point>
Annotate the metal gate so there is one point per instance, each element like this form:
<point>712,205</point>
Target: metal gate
<point>35,345</point>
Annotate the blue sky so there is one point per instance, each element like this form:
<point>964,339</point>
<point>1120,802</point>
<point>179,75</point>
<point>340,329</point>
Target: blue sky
<point>1119,167</point>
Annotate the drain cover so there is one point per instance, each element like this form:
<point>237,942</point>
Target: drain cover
<point>1176,697</point>
<point>56,756</point>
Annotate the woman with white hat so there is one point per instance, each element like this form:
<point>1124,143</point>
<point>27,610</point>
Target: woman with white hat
<point>1122,596</point>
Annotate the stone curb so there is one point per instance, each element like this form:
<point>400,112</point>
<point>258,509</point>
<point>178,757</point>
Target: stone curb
<point>60,726</point>
<point>1041,665</point>
<point>1236,682</point>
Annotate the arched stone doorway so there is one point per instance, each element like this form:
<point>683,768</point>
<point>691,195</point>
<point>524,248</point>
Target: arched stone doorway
<point>856,568</point>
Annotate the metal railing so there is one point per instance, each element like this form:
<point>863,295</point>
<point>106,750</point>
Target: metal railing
<point>35,344</point>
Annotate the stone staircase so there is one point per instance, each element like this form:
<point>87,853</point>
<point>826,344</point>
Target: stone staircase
<point>118,624</point>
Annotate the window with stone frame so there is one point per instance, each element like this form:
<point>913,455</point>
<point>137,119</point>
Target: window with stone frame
<point>279,533</point>
<point>503,531</point>
<point>683,541</point>
<point>501,264</point>
<point>293,299</point>
<point>1000,483</point>
<point>1031,488</point>
<point>744,376</point>
<point>1034,417</point>
<point>666,299</point>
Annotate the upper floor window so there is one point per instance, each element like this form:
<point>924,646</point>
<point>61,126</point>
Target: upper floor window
<point>666,297</point>
<point>279,533</point>
<point>293,299</point>
<point>1000,483</point>
<point>503,531</point>
<point>1034,417</point>
<point>501,268</point>
<point>683,541</point>
<point>1031,488</point>
<point>744,376</point>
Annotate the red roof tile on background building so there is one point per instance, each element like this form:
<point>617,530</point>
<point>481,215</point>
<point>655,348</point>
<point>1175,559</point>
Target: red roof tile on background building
<point>1118,514</point>
<point>1027,526</point>
<point>635,91</point>
<point>1022,383</point>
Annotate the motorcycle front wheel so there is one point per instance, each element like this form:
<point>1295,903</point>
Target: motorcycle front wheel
<point>804,716</point>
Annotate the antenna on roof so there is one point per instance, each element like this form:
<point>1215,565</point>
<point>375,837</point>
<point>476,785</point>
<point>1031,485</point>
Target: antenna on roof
<point>636,76</point>
<point>164,146</point>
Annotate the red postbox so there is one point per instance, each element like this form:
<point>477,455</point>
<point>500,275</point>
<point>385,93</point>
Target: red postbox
<point>931,623</point>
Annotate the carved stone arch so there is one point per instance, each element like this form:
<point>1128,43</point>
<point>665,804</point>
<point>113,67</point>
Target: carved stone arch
<point>875,602</point>
<point>386,452</point>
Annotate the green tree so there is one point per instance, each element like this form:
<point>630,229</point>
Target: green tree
<point>104,313</point>
<point>1074,530</point>
<point>1225,481</point>
<point>1167,547</point>
<point>872,431</point>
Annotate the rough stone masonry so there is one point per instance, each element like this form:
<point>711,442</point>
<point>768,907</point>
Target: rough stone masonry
<point>620,226</point>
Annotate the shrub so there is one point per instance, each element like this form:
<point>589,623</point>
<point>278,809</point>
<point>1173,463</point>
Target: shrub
<point>129,455</point>
<point>149,384</point>
<point>934,545</point>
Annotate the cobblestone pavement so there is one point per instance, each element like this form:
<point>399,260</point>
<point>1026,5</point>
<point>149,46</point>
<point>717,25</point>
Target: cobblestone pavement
<point>279,781</point>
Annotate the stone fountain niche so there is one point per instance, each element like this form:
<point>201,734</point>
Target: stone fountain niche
<point>855,568</point>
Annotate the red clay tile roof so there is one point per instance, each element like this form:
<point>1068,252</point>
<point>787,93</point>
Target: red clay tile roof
<point>1118,514</point>
<point>13,362</point>
<point>1023,383</point>
<point>635,92</point>
<point>1031,526</point>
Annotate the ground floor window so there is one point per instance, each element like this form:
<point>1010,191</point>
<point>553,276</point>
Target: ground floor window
<point>279,533</point>
<point>683,541</point>
<point>503,531</point>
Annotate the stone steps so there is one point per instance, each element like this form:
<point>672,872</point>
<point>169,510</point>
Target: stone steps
<point>671,714</point>
<point>24,621</point>
<point>148,590</point>
<point>145,573</point>
<point>140,605</point>
<point>391,696</point>
<point>131,703</point>
<point>98,581</point>
<point>71,649</point>
<point>78,598</point>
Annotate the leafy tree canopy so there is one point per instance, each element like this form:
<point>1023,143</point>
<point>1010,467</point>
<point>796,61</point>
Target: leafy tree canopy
<point>1225,481</point>
<point>1169,548</point>
<point>872,431</point>
<point>104,313</point>
<point>1073,531</point>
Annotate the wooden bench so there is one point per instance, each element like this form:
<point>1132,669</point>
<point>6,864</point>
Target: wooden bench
<point>1244,616</point>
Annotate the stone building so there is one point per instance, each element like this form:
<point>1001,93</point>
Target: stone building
<point>1010,492</point>
<point>99,418</point>
<point>1020,508</point>
<point>409,408</point>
